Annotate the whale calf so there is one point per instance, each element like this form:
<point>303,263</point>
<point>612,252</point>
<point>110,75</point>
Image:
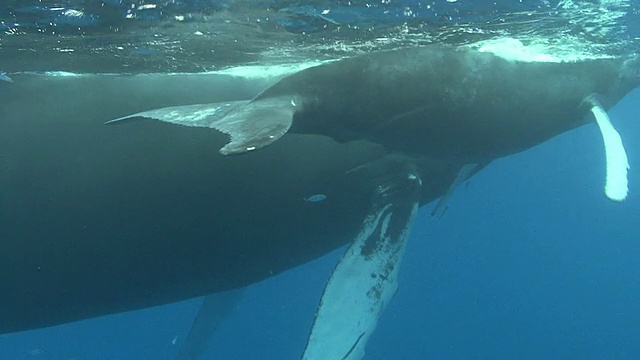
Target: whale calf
<point>437,101</point>
<point>103,219</point>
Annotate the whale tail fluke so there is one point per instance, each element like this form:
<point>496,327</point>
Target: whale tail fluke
<point>251,125</point>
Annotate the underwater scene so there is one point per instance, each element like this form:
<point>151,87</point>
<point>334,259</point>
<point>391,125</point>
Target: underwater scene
<point>319,180</point>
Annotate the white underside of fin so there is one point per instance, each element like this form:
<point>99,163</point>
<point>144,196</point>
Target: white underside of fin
<point>362,284</point>
<point>616,186</point>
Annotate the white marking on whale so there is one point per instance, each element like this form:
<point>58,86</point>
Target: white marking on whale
<point>616,186</point>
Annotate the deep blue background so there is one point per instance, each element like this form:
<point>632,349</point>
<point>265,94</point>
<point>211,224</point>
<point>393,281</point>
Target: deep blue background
<point>530,262</point>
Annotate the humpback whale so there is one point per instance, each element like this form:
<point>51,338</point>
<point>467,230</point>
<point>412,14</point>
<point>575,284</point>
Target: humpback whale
<point>446,102</point>
<point>151,213</point>
<point>101,219</point>
<point>436,101</point>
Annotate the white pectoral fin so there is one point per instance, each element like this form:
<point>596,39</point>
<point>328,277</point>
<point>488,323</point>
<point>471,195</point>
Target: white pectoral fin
<point>616,186</point>
<point>365,279</point>
<point>214,309</point>
<point>251,125</point>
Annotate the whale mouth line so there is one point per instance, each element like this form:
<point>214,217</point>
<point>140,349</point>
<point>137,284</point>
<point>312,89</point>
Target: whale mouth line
<point>617,183</point>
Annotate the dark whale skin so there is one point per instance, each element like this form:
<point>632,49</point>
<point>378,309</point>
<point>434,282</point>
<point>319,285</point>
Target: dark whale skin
<point>454,103</point>
<point>101,219</point>
<point>96,220</point>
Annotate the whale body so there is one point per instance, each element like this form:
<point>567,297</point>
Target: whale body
<point>436,101</point>
<point>96,220</point>
<point>101,219</point>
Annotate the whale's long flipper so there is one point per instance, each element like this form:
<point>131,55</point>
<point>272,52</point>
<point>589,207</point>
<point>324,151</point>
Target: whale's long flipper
<point>463,175</point>
<point>251,125</point>
<point>616,186</point>
<point>214,309</point>
<point>365,279</point>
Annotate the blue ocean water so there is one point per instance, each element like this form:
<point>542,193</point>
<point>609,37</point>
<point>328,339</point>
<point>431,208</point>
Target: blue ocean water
<point>531,261</point>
